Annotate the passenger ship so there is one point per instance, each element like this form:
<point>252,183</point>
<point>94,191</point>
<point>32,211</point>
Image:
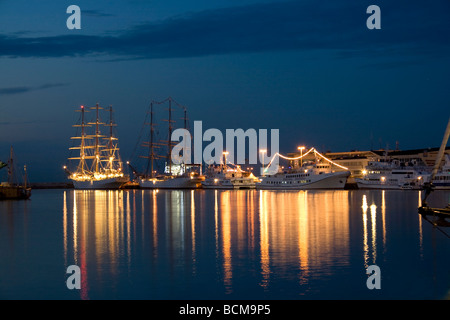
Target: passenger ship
<point>224,176</point>
<point>317,175</point>
<point>390,175</point>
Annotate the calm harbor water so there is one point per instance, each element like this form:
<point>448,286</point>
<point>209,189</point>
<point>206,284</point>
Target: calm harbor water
<point>211,244</point>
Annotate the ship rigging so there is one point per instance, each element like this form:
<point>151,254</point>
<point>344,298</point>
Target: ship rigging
<point>99,165</point>
<point>160,171</point>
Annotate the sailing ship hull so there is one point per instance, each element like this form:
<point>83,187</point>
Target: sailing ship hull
<point>334,180</point>
<point>110,183</point>
<point>14,193</point>
<point>171,183</point>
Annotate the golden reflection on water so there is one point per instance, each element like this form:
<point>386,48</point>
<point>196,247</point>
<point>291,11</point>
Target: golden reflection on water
<point>419,204</point>
<point>264,242</point>
<point>226,239</point>
<point>279,229</point>
<point>65,226</point>
<point>303,236</point>
<point>193,256</point>
<point>370,248</point>
<point>94,231</point>
<point>155,222</point>
<point>383,216</point>
<point>373,216</point>
<point>305,231</point>
<point>365,233</point>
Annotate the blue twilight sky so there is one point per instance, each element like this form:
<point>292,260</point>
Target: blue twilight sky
<point>309,68</point>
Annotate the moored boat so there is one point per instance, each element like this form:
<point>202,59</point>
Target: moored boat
<point>14,192</point>
<point>441,180</point>
<point>225,176</point>
<point>187,180</point>
<point>438,214</point>
<point>390,175</point>
<point>317,175</point>
<point>99,166</point>
<point>159,153</point>
<point>12,189</point>
<point>311,179</point>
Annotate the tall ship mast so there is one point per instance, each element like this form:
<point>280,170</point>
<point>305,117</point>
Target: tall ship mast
<point>98,165</point>
<point>173,176</point>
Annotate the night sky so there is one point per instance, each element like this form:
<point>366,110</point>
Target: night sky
<point>311,69</point>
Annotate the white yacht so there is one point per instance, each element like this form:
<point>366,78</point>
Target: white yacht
<point>390,175</point>
<point>315,176</point>
<point>222,176</point>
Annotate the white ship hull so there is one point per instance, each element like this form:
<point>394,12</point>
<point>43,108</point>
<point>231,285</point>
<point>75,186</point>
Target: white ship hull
<point>289,181</point>
<point>221,176</point>
<point>216,183</point>
<point>442,180</point>
<point>367,184</point>
<point>394,180</point>
<point>110,183</point>
<point>441,186</point>
<point>171,183</point>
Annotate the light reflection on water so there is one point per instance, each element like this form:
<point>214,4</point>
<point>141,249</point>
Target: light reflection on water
<point>270,233</point>
<point>220,244</point>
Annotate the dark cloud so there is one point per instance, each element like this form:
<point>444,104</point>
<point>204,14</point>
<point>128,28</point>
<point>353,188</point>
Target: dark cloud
<point>407,28</point>
<point>24,89</point>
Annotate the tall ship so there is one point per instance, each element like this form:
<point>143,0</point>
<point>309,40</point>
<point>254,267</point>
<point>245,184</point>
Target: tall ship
<point>160,172</point>
<point>391,175</point>
<point>227,176</point>
<point>98,163</point>
<point>13,189</point>
<point>319,174</point>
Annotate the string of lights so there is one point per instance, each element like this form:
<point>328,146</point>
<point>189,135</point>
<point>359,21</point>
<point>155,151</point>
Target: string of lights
<point>300,157</point>
<point>338,165</point>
